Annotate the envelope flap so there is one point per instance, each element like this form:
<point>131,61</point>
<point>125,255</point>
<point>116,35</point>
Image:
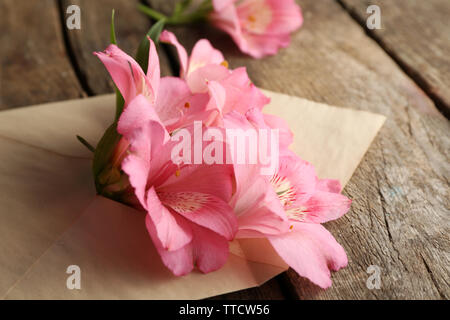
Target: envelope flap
<point>333,139</point>
<point>54,126</point>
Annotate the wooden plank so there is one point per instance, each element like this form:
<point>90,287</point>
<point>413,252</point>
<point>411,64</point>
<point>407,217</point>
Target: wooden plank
<point>94,35</point>
<point>34,65</point>
<point>416,34</point>
<point>399,219</point>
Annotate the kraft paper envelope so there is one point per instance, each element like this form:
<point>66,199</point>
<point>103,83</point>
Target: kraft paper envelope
<point>50,217</point>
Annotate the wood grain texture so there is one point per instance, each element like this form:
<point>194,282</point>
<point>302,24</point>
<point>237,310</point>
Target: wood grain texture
<point>94,35</point>
<point>34,64</point>
<point>399,219</point>
<point>417,34</point>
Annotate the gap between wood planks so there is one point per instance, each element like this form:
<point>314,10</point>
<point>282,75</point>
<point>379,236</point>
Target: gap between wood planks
<point>70,52</point>
<point>172,58</point>
<point>415,75</point>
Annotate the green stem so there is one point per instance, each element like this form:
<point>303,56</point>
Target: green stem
<point>190,18</point>
<point>178,17</point>
<point>150,12</point>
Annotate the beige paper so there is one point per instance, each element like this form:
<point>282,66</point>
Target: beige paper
<point>46,185</point>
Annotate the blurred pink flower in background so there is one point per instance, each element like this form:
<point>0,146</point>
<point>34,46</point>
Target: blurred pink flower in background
<point>259,27</point>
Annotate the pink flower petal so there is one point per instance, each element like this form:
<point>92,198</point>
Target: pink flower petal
<point>286,16</point>
<point>225,18</point>
<point>326,206</point>
<point>242,94</point>
<point>256,205</point>
<point>259,46</point>
<point>140,126</point>
<point>203,209</point>
<point>295,176</point>
<point>138,114</point>
<point>266,216</point>
<point>126,73</point>
<point>204,54</point>
<point>173,94</point>
<point>210,249</point>
<point>329,185</point>
<point>180,261</point>
<point>137,169</point>
<point>217,100</point>
<point>201,194</point>
<point>216,180</point>
<point>172,233</point>
<point>221,4</point>
<point>177,106</point>
<point>286,135</point>
<point>199,79</point>
<point>153,69</point>
<point>311,251</point>
<point>169,37</point>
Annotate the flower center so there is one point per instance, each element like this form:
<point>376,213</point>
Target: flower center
<point>183,201</point>
<point>287,196</point>
<point>257,17</point>
<point>296,213</point>
<point>284,189</point>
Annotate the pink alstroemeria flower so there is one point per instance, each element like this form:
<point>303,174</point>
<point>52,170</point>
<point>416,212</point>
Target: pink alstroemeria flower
<point>288,208</point>
<point>188,215</point>
<point>206,71</point>
<point>171,97</point>
<point>259,27</point>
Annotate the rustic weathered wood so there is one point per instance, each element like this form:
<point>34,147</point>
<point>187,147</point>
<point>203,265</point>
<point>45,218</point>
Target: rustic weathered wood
<point>399,219</point>
<point>94,35</point>
<point>35,67</point>
<point>400,215</point>
<point>417,34</point>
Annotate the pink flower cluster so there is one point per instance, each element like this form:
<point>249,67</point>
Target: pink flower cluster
<point>195,210</point>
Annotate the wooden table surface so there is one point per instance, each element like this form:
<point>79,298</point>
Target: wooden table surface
<point>399,220</point>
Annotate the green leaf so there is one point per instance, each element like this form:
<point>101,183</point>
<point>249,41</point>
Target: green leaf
<point>85,143</point>
<point>120,102</point>
<point>156,30</point>
<point>144,47</point>
<point>104,151</point>
<point>180,7</point>
<point>113,30</point>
